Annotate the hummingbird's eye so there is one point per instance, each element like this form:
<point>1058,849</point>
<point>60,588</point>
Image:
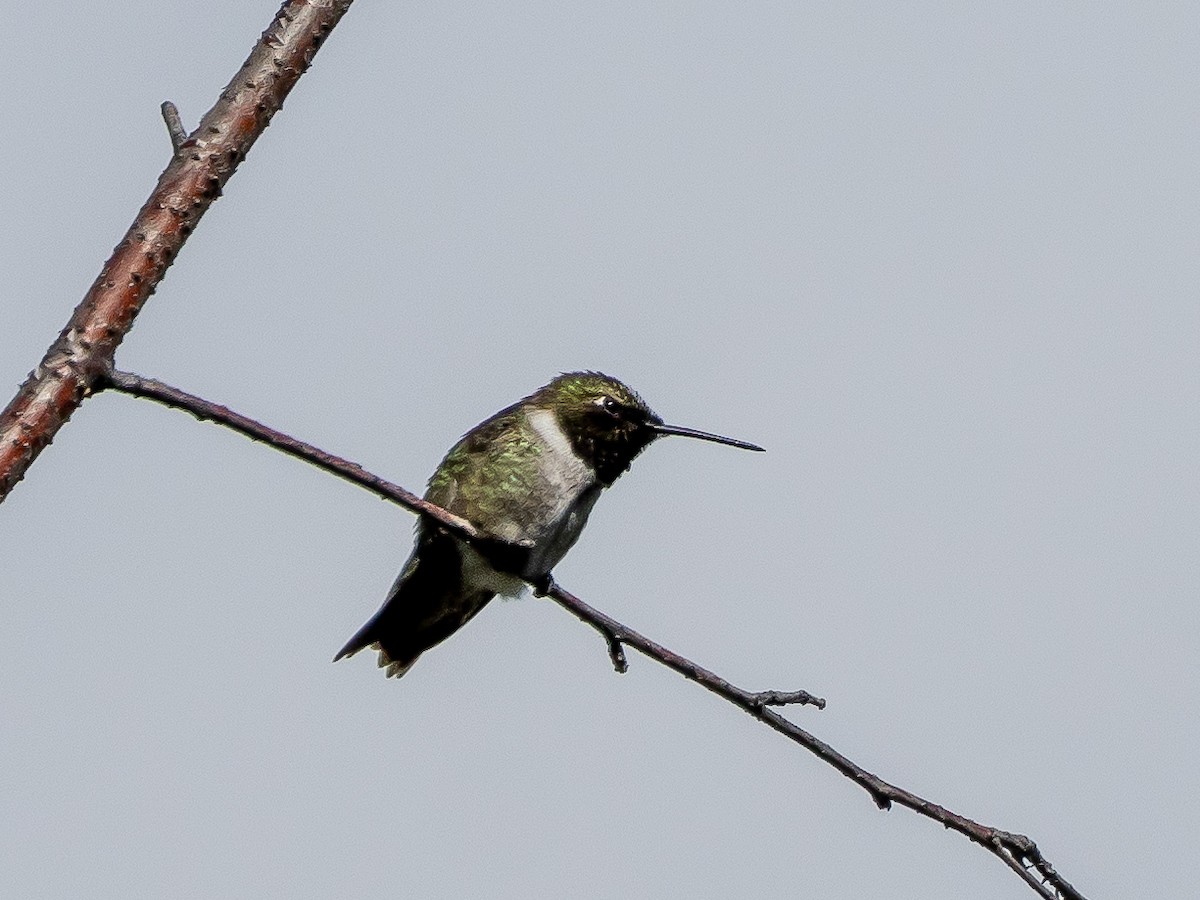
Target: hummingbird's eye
<point>609,405</point>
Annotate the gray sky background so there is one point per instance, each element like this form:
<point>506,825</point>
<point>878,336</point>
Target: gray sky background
<point>939,258</point>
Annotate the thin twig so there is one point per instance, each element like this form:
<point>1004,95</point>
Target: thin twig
<point>187,187</point>
<point>1016,851</point>
<point>150,389</point>
<point>1011,848</point>
<point>170,114</point>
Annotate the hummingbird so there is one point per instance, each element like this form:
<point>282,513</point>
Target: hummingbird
<point>529,475</point>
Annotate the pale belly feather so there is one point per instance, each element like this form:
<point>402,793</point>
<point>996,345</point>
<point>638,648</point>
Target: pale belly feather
<point>568,490</point>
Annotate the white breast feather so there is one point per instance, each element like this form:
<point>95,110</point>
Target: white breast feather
<point>571,476</point>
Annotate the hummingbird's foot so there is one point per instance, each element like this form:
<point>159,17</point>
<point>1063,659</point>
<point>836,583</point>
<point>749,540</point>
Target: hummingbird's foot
<point>543,585</point>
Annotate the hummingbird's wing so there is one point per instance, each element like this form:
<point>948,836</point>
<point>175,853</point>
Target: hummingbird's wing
<point>427,604</point>
<point>487,472</point>
<point>432,598</point>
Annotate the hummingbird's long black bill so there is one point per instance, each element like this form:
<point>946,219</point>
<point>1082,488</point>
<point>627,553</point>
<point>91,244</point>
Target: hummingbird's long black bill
<point>705,436</point>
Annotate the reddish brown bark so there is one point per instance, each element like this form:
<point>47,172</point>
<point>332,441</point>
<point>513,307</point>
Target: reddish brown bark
<point>191,182</point>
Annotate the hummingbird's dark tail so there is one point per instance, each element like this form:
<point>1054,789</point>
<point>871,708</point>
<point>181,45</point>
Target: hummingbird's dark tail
<point>370,634</point>
<point>425,606</point>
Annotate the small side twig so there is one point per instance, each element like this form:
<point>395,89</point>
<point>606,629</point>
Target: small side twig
<point>1016,851</point>
<point>546,587</point>
<point>616,652</point>
<point>170,114</point>
<point>617,635</point>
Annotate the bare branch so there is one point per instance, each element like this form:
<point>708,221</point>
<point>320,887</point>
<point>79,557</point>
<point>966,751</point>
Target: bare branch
<point>187,187</point>
<point>170,114</point>
<point>1016,851</point>
<point>150,389</point>
<point>1013,849</point>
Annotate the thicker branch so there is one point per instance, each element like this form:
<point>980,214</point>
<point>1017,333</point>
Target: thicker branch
<point>187,187</point>
<point>1016,851</point>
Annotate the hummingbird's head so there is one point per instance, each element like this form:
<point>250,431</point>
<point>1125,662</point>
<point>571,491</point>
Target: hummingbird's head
<point>607,423</point>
